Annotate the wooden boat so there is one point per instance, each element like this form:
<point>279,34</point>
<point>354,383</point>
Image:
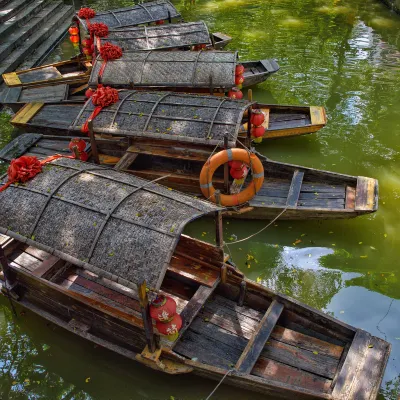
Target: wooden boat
<point>74,71</point>
<point>201,71</point>
<point>280,121</point>
<point>174,134</point>
<point>87,248</point>
<point>163,37</point>
<point>144,13</point>
<point>17,97</point>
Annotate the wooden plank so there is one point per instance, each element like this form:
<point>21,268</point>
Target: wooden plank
<point>348,373</point>
<point>276,371</point>
<point>194,271</point>
<point>195,304</point>
<point>318,115</point>
<point>365,193</point>
<point>47,265</point>
<point>295,187</point>
<point>26,113</point>
<point>370,377</point>
<point>24,260</point>
<point>322,203</point>
<point>11,79</point>
<point>19,146</point>
<point>260,336</point>
<point>126,161</point>
<point>350,197</point>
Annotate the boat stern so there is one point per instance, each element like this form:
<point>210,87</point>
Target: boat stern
<point>318,116</point>
<point>367,193</point>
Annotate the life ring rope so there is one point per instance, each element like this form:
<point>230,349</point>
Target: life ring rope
<point>223,157</point>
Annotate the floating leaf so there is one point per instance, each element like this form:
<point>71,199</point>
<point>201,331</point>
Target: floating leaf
<point>359,242</point>
<point>297,242</point>
<point>333,244</point>
<point>363,256</point>
<point>45,347</point>
<point>303,234</point>
<point>385,235</point>
<point>309,255</point>
<point>331,232</point>
<point>372,247</point>
<point>87,380</point>
<point>342,312</point>
<point>315,352</point>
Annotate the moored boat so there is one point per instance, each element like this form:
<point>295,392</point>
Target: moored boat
<point>162,37</point>
<point>280,120</point>
<point>88,248</point>
<point>201,71</point>
<point>144,13</point>
<point>74,71</point>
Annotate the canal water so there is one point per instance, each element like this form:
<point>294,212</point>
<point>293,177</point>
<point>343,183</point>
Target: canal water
<point>344,55</point>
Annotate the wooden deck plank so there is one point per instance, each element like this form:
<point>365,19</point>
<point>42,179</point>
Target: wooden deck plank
<point>318,116</point>
<point>350,197</point>
<point>354,359</point>
<point>260,336</point>
<point>273,370</point>
<point>365,193</point>
<point>195,304</point>
<point>25,260</point>
<point>295,187</point>
<point>195,271</point>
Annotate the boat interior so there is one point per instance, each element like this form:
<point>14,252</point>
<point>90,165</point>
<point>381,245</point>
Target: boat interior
<point>300,351</point>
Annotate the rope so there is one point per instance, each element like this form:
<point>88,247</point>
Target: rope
<point>261,230</point>
<point>220,382</point>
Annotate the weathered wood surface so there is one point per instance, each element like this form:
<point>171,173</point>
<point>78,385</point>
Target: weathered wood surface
<point>295,188</point>
<point>363,369</point>
<point>366,194</point>
<point>259,338</point>
<point>19,146</point>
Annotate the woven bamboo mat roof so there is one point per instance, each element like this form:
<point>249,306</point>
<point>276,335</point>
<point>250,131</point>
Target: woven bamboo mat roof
<point>169,116</point>
<point>197,69</point>
<point>114,224</point>
<point>159,37</point>
<point>139,14</point>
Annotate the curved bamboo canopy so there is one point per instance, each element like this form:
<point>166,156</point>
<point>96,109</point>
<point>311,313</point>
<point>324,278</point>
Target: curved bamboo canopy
<point>115,224</point>
<point>168,116</point>
<point>159,37</point>
<point>187,69</point>
<point>131,16</point>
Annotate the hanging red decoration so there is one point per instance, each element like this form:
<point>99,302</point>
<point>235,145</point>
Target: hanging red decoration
<point>235,93</point>
<point>160,22</point>
<point>239,79</point>
<point>73,30</point>
<point>239,70</point>
<point>86,50</point>
<point>235,164</point>
<point>238,173</point>
<point>74,39</point>
<point>83,156</point>
<point>110,51</point>
<point>77,143</point>
<point>102,97</point>
<point>86,13</point>
<point>99,29</point>
<point>163,308</point>
<point>257,131</point>
<point>26,167</point>
<point>257,117</point>
<point>170,328</point>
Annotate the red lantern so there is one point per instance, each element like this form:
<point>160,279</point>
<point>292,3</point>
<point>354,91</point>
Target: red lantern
<point>84,156</point>
<point>74,39</point>
<point>89,93</point>
<point>86,50</point>
<point>77,143</point>
<point>73,30</point>
<point>239,175</point>
<point>236,164</point>
<point>239,70</point>
<point>170,328</point>
<point>257,117</point>
<point>235,93</point>
<point>163,308</point>
<point>87,43</point>
<point>239,79</point>
<point>257,131</point>
<point>160,22</point>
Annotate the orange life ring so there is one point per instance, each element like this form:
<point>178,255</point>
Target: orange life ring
<point>223,157</point>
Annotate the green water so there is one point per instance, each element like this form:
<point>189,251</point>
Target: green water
<point>344,55</point>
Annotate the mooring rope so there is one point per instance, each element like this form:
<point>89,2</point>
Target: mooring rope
<point>220,382</point>
<point>261,230</point>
